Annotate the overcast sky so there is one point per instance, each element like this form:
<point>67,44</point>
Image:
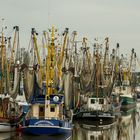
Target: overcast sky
<point>117,19</point>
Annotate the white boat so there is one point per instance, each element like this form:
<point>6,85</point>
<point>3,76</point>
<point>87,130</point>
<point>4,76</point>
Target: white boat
<point>97,108</point>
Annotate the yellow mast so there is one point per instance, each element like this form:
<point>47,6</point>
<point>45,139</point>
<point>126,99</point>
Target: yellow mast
<point>2,72</point>
<point>2,62</point>
<point>38,56</point>
<point>50,65</point>
<point>46,36</point>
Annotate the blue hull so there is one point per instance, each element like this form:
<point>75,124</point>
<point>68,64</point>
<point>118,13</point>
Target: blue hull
<point>47,127</point>
<point>44,131</point>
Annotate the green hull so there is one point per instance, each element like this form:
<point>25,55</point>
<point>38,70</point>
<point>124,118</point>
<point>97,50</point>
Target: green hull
<point>127,102</point>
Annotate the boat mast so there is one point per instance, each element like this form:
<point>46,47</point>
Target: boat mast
<point>14,46</point>
<point>3,55</point>
<point>87,53</point>
<point>33,32</point>
<point>62,52</point>
<point>50,65</point>
<point>130,66</point>
<point>97,70</point>
<point>106,66</point>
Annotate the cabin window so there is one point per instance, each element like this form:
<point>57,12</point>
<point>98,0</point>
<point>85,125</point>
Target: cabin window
<point>101,101</point>
<point>52,109</point>
<point>124,88</point>
<point>92,101</point>
<point>13,109</point>
<point>91,137</point>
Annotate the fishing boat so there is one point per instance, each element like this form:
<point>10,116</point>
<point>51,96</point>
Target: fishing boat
<point>127,97</point>
<point>49,120</point>
<point>126,85</point>
<point>9,111</point>
<point>128,101</point>
<point>46,114</point>
<point>95,102</point>
<point>96,107</point>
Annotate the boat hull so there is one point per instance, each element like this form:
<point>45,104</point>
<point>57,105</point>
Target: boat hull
<point>127,102</point>
<point>94,115</point>
<point>33,130</point>
<point>46,127</point>
<point>6,127</point>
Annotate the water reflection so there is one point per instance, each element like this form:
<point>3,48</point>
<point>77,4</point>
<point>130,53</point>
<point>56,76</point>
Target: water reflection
<point>6,136</point>
<point>43,137</point>
<point>126,127</point>
<point>94,132</point>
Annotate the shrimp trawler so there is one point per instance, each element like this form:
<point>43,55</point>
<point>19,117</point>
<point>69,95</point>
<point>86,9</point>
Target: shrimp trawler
<point>10,113</point>
<point>125,87</point>
<point>46,115</point>
<point>96,100</point>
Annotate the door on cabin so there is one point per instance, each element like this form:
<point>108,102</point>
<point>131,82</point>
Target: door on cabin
<point>41,111</point>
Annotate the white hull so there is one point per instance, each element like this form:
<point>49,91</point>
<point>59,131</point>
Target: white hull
<point>6,127</point>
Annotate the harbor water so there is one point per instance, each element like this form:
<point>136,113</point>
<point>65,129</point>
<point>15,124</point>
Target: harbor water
<point>126,127</point>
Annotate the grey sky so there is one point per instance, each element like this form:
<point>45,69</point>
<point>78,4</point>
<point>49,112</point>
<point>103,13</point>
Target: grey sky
<point>118,19</point>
